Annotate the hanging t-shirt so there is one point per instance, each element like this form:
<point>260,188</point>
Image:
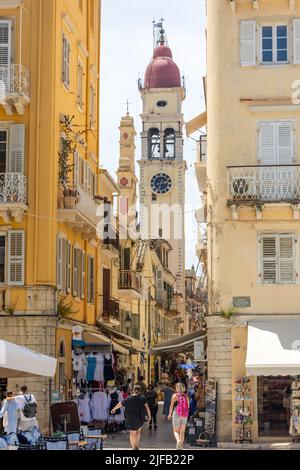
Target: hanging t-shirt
<point>91,366</point>
<point>78,361</point>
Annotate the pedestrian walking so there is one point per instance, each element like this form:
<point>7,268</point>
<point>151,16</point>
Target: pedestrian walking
<point>28,406</point>
<point>135,406</point>
<point>168,393</point>
<point>152,401</point>
<point>143,386</point>
<point>179,411</point>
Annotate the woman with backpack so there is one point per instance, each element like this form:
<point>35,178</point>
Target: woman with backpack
<point>179,411</point>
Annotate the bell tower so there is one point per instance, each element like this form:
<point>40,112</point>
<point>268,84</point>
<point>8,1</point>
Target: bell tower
<point>127,180</point>
<point>162,167</point>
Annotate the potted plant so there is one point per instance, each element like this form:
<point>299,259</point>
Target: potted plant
<point>70,198</point>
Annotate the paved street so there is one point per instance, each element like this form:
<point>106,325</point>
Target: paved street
<point>162,438</point>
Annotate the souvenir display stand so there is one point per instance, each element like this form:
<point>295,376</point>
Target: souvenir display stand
<point>243,421</point>
<point>295,410</point>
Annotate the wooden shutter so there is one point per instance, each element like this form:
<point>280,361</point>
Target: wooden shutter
<point>92,280</point>
<point>85,175</point>
<point>159,286</point>
<point>16,148</point>
<point>269,263</point>
<point>76,170</point>
<point>248,43</point>
<point>83,269</point>
<point>64,264</point>
<point>285,142</point>
<point>16,257</point>
<point>296,41</point>
<point>286,260</point>
<point>75,272</point>
<point>68,266</point>
<point>267,143</point>
<point>88,293</point>
<point>59,263</point>
<point>66,62</point>
<point>5,42</point>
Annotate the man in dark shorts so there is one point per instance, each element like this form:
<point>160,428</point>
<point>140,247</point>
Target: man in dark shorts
<point>135,406</point>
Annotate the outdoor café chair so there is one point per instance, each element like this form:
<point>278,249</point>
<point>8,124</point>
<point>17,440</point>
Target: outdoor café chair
<point>56,443</point>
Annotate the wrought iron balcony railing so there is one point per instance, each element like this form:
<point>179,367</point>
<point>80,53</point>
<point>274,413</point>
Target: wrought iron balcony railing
<point>129,280</point>
<point>13,188</point>
<point>264,183</point>
<point>15,79</point>
<point>111,309</point>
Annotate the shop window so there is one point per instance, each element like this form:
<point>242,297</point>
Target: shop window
<point>154,143</point>
<point>169,143</point>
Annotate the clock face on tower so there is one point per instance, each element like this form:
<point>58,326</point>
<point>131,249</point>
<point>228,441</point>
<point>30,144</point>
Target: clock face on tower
<point>161,183</point>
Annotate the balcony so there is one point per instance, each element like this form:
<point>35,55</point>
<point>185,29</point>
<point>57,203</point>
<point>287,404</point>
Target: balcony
<point>201,161</point>
<point>111,310</point>
<point>13,196</point>
<point>130,283</point>
<point>111,242</point>
<point>14,88</point>
<point>83,216</point>
<point>254,184</point>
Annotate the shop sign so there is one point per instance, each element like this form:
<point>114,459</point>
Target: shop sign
<point>241,302</point>
<point>55,396</point>
<point>198,350</point>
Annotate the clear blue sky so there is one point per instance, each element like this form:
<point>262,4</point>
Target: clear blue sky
<point>125,52</point>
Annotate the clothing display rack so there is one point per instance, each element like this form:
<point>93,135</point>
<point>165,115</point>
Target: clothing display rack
<point>243,409</point>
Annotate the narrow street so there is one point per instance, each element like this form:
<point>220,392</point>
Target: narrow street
<point>162,438</point>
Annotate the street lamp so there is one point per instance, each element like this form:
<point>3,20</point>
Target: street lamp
<point>127,323</point>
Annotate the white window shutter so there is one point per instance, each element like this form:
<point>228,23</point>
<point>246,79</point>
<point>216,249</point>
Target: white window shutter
<point>268,259</point>
<point>16,148</point>
<point>248,43</point>
<point>285,142</point>
<point>16,257</point>
<point>267,142</point>
<point>287,272</point>
<point>296,41</point>
<point>5,42</point>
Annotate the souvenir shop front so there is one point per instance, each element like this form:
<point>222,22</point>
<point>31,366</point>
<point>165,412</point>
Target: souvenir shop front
<point>266,389</point>
<point>171,355</point>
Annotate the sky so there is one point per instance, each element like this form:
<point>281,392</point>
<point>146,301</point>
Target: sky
<point>126,50</point>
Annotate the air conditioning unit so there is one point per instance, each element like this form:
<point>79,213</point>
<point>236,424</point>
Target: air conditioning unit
<point>244,187</point>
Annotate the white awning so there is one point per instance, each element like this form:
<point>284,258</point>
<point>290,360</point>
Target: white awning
<point>273,348</point>
<point>18,361</point>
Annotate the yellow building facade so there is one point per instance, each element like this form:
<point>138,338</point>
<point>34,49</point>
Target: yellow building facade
<point>253,196</point>
<point>49,73</point>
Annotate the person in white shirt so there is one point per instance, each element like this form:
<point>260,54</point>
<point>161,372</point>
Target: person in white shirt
<point>26,424</point>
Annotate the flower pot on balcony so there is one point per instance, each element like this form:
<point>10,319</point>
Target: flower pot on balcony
<point>70,202</point>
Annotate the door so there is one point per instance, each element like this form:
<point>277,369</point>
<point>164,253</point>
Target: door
<point>277,178</point>
<point>106,292</point>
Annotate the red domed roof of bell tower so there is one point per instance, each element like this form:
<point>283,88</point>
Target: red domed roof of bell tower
<point>162,72</point>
